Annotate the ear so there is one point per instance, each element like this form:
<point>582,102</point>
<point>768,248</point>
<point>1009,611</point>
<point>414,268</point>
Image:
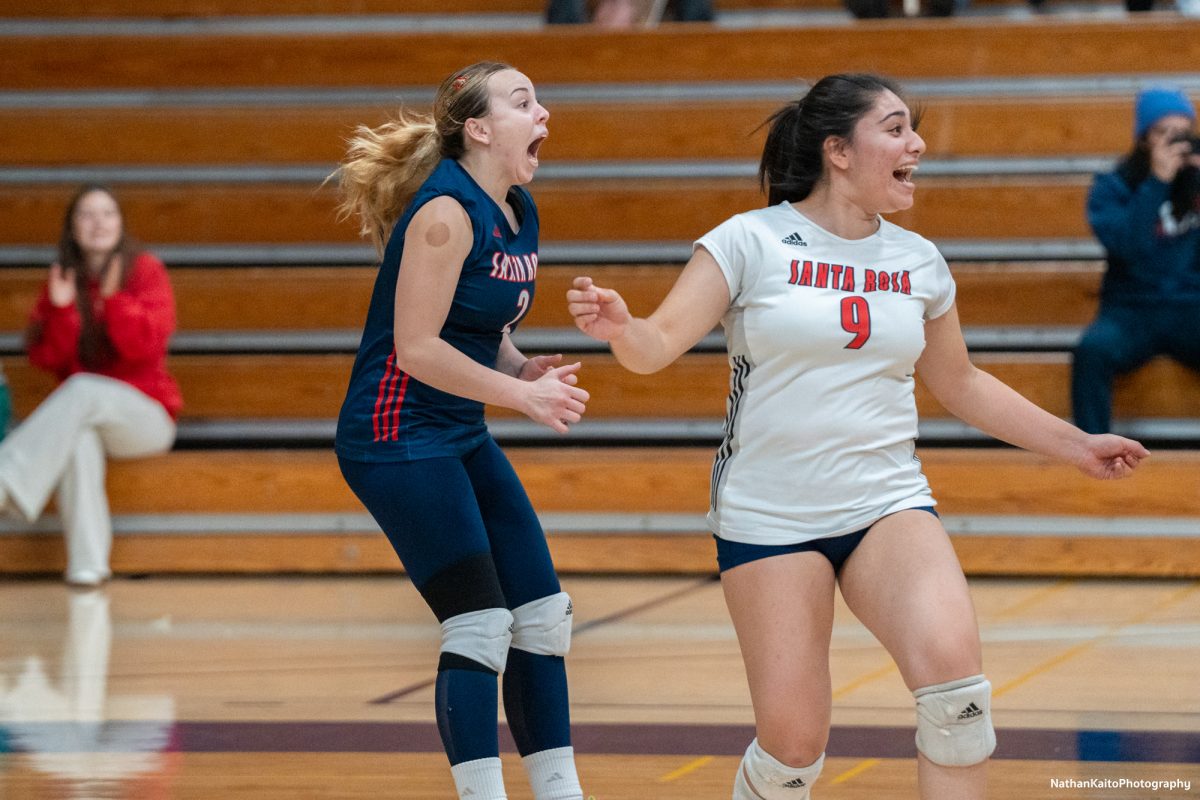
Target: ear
<point>478,130</point>
<point>835,148</point>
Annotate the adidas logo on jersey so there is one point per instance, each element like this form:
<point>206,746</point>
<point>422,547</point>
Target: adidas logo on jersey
<point>970,711</point>
<point>794,239</point>
<point>795,783</point>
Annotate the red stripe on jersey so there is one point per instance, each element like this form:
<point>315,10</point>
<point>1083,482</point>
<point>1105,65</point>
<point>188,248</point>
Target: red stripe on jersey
<point>382,390</point>
<point>399,402</point>
<point>387,406</point>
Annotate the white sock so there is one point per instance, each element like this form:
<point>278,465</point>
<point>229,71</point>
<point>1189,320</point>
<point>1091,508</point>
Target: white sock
<point>481,779</point>
<point>552,774</point>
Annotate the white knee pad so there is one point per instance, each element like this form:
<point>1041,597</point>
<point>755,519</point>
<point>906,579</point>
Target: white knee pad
<point>954,722</point>
<point>761,776</point>
<point>543,626</point>
<point>482,636</point>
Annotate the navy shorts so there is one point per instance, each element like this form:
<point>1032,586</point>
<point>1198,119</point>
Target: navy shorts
<point>835,548</point>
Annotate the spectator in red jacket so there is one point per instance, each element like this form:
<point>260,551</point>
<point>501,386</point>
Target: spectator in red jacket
<point>101,326</point>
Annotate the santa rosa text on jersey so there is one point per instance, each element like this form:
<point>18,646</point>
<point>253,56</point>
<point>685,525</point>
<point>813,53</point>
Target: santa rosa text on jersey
<point>843,278</point>
<point>516,269</point>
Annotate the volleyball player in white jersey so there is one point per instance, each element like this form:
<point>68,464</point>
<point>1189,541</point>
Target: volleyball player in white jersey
<point>829,310</point>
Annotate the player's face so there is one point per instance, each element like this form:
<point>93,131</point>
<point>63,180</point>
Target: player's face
<point>96,224</point>
<point>884,155</point>
<point>517,123</point>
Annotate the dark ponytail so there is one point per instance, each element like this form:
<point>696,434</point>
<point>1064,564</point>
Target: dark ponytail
<point>793,156</point>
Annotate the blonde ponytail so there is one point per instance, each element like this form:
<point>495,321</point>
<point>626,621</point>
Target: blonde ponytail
<point>385,166</point>
<point>383,169</point>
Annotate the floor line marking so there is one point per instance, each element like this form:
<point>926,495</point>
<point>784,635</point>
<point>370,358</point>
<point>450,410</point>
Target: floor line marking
<point>1112,632</point>
<point>862,680</point>
<point>687,768</point>
<point>856,770</point>
<point>1035,598</point>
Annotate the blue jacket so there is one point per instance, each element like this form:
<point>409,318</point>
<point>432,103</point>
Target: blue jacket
<point>1152,257</point>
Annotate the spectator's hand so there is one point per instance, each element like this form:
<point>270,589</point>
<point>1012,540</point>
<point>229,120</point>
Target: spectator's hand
<point>1108,457</point>
<point>1167,158</point>
<point>553,399</point>
<point>600,313</point>
<point>110,280</point>
<point>61,286</point>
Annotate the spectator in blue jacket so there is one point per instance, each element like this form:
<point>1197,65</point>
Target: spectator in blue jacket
<point>1146,213</point>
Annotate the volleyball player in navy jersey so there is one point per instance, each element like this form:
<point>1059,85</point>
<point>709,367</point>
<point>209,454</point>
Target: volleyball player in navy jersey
<point>442,200</point>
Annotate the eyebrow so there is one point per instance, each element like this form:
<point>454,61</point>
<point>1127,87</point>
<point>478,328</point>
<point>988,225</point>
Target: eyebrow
<point>518,89</point>
<point>893,114</point>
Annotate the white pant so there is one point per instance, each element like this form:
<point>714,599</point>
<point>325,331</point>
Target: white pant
<point>63,445</point>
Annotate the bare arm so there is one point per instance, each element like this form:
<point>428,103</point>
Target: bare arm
<point>979,399</point>
<point>512,361</point>
<point>690,311</point>
<point>436,243</point>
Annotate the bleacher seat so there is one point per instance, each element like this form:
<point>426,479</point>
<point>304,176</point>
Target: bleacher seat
<point>217,140</point>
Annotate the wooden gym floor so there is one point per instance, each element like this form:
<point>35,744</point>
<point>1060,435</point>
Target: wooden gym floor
<point>321,688</point>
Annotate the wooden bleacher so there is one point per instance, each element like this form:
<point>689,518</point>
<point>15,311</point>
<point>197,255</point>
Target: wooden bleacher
<point>173,9</point>
<point>312,298</point>
<point>566,480</point>
<point>694,129</point>
<point>992,208</point>
<point>173,100</point>
<point>960,49</point>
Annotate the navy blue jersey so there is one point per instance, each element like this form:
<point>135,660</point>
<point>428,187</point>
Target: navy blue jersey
<point>390,416</point>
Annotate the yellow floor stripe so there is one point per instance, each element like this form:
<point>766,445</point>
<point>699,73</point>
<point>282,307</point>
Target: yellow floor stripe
<point>846,689</point>
<point>1035,598</point>
<point>857,769</point>
<point>1012,610</point>
<point>1111,633</point>
<point>691,766</point>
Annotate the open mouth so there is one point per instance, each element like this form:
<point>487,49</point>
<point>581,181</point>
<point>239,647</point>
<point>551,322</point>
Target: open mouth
<point>905,175</point>
<point>534,147</point>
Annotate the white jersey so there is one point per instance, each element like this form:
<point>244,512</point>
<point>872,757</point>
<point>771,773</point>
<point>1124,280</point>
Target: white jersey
<point>823,335</point>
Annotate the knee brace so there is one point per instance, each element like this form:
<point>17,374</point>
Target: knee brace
<point>543,626</point>
<point>761,776</point>
<point>480,636</point>
<point>954,722</point>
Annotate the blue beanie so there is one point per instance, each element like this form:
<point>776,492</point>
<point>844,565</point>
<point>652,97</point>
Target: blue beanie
<point>1155,103</point>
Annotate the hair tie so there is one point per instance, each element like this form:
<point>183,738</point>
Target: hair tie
<point>459,82</point>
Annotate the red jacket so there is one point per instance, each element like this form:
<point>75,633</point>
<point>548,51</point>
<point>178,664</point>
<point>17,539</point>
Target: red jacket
<point>139,319</point>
